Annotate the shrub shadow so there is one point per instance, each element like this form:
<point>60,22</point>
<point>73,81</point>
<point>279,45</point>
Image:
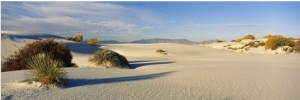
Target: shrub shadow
<point>83,82</point>
<point>136,64</point>
<point>82,48</point>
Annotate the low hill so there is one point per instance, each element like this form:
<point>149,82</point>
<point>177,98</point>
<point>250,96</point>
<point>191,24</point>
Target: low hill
<point>161,40</point>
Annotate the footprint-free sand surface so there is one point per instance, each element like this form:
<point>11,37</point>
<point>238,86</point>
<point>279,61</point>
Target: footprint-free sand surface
<point>187,72</point>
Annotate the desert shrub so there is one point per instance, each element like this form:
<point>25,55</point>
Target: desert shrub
<point>92,41</point>
<point>249,36</point>
<point>297,46</point>
<point>109,59</point>
<point>160,51</point>
<point>45,70</point>
<point>267,36</point>
<point>18,61</point>
<point>233,40</point>
<point>78,38</point>
<point>238,40</point>
<point>274,42</point>
<point>69,38</point>
<point>218,41</point>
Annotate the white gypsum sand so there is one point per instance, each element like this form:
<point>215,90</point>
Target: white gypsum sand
<point>187,72</point>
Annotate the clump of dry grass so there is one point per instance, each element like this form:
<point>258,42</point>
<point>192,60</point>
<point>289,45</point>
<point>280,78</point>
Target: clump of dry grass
<point>249,36</point>
<point>238,40</point>
<point>160,51</point>
<point>92,41</point>
<point>77,38</point>
<point>274,42</point>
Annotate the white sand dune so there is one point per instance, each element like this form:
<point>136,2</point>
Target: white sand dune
<point>187,72</point>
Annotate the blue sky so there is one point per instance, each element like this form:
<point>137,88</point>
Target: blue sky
<point>127,21</point>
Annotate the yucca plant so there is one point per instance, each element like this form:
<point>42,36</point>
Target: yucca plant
<point>45,70</point>
<point>109,59</point>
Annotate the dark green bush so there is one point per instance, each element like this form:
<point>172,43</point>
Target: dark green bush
<point>18,61</point>
<point>109,59</point>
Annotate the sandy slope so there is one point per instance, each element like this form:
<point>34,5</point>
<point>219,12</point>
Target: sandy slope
<point>187,72</point>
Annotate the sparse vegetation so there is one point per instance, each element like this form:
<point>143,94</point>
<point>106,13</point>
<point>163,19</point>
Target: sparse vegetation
<point>18,61</point>
<point>238,40</point>
<point>160,51</point>
<point>77,38</point>
<point>45,70</point>
<point>92,41</point>
<point>297,47</point>
<point>109,59</point>
<point>219,41</point>
<point>267,36</point>
<point>249,36</point>
<point>69,38</point>
<point>274,42</point>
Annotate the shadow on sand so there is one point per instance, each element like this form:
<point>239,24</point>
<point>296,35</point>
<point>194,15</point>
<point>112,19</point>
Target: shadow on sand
<point>136,64</point>
<point>83,82</point>
<point>82,48</point>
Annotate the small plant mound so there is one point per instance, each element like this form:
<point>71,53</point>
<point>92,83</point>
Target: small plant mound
<point>297,46</point>
<point>249,36</point>
<point>267,36</point>
<point>18,61</point>
<point>160,51</point>
<point>109,59</point>
<point>69,38</point>
<point>238,40</point>
<point>274,42</point>
<point>92,41</point>
<point>45,70</point>
<point>77,38</point>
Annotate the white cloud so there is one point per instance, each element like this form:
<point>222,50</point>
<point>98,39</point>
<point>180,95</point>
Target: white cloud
<point>66,17</point>
<point>230,26</point>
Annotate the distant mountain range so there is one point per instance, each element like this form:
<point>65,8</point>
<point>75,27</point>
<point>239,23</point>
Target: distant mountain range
<point>108,42</point>
<point>156,40</point>
<point>161,40</point>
